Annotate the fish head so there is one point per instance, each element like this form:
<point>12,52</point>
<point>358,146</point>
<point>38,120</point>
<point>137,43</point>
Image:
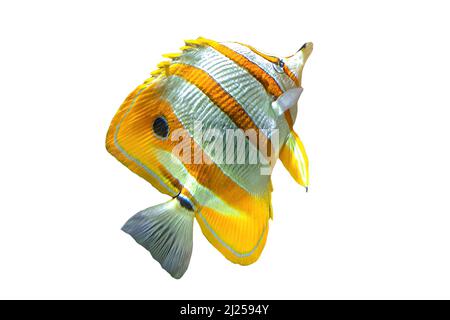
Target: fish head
<point>285,71</point>
<point>289,75</point>
<point>296,62</point>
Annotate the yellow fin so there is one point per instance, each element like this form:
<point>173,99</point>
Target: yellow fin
<point>156,72</point>
<point>240,236</point>
<point>295,160</point>
<point>172,55</point>
<point>186,48</point>
<point>193,43</point>
<point>164,64</point>
<point>163,67</point>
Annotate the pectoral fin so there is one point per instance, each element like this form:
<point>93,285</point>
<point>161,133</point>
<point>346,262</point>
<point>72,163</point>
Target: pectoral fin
<point>295,160</point>
<point>288,100</point>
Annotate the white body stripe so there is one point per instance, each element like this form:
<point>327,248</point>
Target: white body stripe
<point>206,198</point>
<point>241,85</point>
<point>201,194</point>
<point>191,105</point>
<point>282,79</point>
<point>238,82</point>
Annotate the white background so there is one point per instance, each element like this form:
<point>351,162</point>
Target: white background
<point>374,118</point>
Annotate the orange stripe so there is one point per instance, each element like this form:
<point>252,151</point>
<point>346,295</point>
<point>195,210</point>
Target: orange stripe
<point>256,71</point>
<point>139,141</point>
<point>220,97</point>
<point>273,60</point>
<point>286,70</point>
<point>259,53</point>
<point>240,232</point>
<point>288,117</point>
<point>291,75</point>
<point>269,83</point>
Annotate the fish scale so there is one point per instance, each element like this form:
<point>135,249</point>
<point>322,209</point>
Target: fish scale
<point>227,74</point>
<point>211,117</point>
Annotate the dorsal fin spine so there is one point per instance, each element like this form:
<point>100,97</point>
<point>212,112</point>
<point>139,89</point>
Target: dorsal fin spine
<point>163,67</point>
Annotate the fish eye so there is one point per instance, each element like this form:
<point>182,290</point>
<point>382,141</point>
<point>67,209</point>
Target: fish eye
<point>279,66</point>
<point>161,127</point>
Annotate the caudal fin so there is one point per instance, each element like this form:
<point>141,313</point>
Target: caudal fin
<point>166,231</point>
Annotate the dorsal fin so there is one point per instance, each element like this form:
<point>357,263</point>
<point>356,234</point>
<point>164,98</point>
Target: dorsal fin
<point>163,66</point>
<point>295,160</point>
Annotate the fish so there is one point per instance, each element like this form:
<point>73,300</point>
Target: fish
<point>168,129</point>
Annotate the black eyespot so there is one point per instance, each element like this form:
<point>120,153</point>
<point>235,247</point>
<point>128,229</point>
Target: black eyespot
<point>185,203</point>
<point>281,63</point>
<point>161,127</point>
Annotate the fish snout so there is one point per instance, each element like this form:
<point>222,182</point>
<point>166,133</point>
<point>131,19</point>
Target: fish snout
<point>297,61</point>
<point>306,50</point>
